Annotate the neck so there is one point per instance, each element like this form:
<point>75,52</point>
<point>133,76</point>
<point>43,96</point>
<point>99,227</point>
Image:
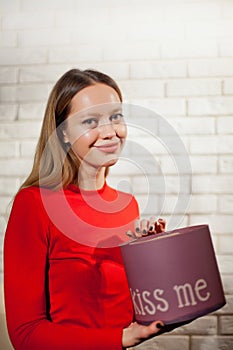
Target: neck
<point>90,179</point>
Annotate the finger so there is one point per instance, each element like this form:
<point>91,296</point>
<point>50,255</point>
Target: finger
<point>144,227</point>
<point>145,332</point>
<point>131,234</point>
<point>160,225</point>
<point>152,224</point>
<point>137,229</point>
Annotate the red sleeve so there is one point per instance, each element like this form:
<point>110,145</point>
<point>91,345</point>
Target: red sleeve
<point>25,259</point>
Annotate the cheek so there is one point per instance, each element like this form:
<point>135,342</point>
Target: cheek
<point>82,143</point>
<point>121,130</point>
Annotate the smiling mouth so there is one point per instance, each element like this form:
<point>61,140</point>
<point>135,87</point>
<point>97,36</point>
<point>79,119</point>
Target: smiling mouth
<point>108,148</point>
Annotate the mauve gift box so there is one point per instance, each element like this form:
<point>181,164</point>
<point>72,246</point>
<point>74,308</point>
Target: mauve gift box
<point>173,276</point>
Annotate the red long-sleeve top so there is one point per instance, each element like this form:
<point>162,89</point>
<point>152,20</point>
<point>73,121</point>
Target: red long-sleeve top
<point>59,293</point>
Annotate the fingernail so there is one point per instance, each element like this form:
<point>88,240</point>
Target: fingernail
<point>151,228</point>
<point>137,229</point>
<point>130,234</point>
<point>159,325</point>
<point>144,232</point>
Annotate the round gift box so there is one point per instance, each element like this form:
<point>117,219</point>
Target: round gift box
<point>173,276</point>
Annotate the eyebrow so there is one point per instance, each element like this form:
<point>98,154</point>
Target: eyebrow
<point>93,114</point>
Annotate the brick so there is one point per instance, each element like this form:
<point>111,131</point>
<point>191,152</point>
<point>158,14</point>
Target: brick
<point>5,204</point>
<point>163,106</point>
<point>192,11</point>
<point>142,125</point>
<point>226,164</point>
<point>225,125</point>
<point>228,283</point>
<point>227,9</point>
<point>175,164</point>
<point>107,32</point>
<point>228,86</point>
<point>192,126</point>
<point>164,69</point>
<point>31,111</point>
<point>10,6</point>
<point>15,167</point>
<point>82,16</point>
<point>20,130</point>
<point>202,204</point>
<point>228,307</point>
<point>135,14</point>
<point>8,39</point>
<point>226,48</point>
<point>226,244</point>
<point>41,74</point>
<point>211,67</point>
<point>142,88</point>
<point>209,29</point>
<point>154,144</point>
<point>185,48</point>
<point>210,106</point>
<point>27,20</point>
<point>135,166</point>
<point>212,343</point>
<point>3,224</point>
<point>226,325</point>
<point>43,37</point>
<point>225,263</point>
<point>193,87</point>
<point>169,204</point>
<point>211,145</point>
<point>8,149</point>
<point>122,183</point>
<point>226,204</point>
<point>165,342</point>
<point>155,30</point>
<point>19,56</point>
<point>204,164</point>
<point>8,112</point>
<point>8,75</point>
<point>203,325</point>
<point>161,184</point>
<point>117,70</point>
<point>43,5</point>
<point>24,93</point>
<point>27,148</point>
<point>131,51</point>
<point>74,54</point>
<point>219,224</point>
<point>218,184</point>
<point>148,205</point>
<point>8,186</point>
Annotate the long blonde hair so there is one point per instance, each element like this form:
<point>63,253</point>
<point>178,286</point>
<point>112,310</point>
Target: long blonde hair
<point>55,164</point>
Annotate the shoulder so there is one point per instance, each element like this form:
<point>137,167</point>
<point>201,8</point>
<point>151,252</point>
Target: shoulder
<point>30,199</point>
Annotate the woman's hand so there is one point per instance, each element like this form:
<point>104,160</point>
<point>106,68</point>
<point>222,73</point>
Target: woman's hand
<point>137,333</point>
<point>146,227</point>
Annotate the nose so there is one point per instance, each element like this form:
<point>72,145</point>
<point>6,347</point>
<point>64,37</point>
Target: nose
<point>106,130</point>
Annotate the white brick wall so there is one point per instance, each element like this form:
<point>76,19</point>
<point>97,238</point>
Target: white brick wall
<point>174,57</point>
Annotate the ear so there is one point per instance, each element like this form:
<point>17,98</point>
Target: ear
<point>65,136</point>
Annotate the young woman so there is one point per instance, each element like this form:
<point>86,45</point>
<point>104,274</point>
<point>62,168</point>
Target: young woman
<point>65,284</point>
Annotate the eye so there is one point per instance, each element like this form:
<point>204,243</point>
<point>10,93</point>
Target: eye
<point>116,118</point>
<point>90,122</point>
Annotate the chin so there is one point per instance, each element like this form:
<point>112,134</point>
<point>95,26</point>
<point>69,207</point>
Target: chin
<point>111,162</point>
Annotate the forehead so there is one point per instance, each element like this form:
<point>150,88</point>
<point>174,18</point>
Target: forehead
<point>98,96</point>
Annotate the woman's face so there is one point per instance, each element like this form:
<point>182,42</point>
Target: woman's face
<point>95,127</point>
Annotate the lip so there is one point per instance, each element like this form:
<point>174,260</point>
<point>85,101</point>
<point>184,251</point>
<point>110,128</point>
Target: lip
<point>108,148</point>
